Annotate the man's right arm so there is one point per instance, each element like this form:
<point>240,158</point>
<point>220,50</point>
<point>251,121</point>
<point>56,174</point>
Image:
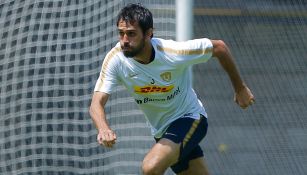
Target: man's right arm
<point>105,135</point>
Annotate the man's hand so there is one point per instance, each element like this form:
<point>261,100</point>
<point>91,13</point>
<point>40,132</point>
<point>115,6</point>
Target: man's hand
<point>106,137</point>
<point>244,97</point>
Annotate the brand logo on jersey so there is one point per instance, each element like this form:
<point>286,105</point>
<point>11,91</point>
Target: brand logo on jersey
<point>166,76</point>
<point>159,99</point>
<point>131,75</point>
<point>152,89</point>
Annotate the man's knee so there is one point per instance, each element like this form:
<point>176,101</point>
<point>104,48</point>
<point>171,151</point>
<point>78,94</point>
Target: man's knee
<point>152,168</point>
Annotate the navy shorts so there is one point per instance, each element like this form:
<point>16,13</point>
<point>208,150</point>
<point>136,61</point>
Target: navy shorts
<point>188,132</point>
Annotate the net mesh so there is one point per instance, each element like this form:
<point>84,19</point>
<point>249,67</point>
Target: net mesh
<point>51,54</point>
<point>268,40</point>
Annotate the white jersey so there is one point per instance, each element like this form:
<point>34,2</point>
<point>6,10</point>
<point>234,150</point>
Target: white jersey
<point>163,88</point>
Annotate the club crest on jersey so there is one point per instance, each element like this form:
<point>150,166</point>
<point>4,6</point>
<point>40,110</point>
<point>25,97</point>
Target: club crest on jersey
<point>166,76</point>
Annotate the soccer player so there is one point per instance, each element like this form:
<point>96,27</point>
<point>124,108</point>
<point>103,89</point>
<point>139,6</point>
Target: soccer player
<point>156,73</point>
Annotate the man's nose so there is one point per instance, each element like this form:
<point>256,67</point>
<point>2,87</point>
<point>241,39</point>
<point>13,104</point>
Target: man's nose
<point>125,38</point>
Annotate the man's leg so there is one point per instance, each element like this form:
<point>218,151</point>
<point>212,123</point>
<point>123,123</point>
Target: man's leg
<point>196,167</point>
<point>162,155</point>
<point>178,145</point>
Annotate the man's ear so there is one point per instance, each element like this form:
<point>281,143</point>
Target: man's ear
<point>149,33</point>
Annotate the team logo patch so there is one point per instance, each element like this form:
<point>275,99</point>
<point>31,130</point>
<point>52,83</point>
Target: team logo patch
<point>166,76</point>
<point>152,89</point>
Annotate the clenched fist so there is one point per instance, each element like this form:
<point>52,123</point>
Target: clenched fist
<point>244,97</point>
<point>106,137</point>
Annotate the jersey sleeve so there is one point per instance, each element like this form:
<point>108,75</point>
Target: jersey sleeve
<point>108,78</point>
<point>187,52</point>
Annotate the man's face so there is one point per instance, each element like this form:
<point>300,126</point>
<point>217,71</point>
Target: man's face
<point>131,38</point>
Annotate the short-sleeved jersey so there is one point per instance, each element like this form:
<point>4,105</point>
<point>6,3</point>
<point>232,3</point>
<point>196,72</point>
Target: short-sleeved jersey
<point>163,88</point>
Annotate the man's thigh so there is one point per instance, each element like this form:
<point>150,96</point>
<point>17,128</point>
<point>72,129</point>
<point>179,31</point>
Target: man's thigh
<point>162,155</point>
<point>188,133</point>
<point>178,145</point>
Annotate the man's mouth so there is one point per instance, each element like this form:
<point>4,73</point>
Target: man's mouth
<point>126,48</point>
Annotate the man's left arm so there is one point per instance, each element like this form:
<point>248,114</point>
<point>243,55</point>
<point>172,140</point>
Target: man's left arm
<point>243,96</point>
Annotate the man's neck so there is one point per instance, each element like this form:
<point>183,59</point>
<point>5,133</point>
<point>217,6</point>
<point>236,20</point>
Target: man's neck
<point>146,56</point>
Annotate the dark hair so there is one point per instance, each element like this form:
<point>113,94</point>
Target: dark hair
<point>136,13</point>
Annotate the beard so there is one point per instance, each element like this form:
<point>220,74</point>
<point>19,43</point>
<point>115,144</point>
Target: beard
<point>133,50</point>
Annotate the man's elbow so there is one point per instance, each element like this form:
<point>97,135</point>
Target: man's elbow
<point>98,102</point>
<point>90,110</point>
<point>219,48</point>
